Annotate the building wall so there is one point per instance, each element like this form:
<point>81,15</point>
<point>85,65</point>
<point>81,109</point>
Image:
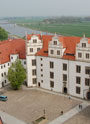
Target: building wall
<point>29,70</point>
<point>4,69</point>
<point>57,70</point>
<point>58,75</point>
<point>3,72</point>
<point>72,78</point>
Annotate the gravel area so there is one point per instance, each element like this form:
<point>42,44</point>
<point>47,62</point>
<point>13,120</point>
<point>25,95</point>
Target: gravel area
<point>28,105</point>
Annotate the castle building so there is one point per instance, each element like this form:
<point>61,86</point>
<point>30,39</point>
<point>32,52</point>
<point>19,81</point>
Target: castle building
<point>59,63</point>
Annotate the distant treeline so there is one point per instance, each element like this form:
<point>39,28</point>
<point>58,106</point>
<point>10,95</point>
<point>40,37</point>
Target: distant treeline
<point>48,20</point>
<point>66,19</point>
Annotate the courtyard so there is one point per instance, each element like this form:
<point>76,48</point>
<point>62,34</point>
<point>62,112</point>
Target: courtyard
<point>28,105</point>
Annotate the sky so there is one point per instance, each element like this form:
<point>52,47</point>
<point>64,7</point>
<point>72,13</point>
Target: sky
<point>12,8</point>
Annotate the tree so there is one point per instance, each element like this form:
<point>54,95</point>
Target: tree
<point>3,34</point>
<point>16,74</point>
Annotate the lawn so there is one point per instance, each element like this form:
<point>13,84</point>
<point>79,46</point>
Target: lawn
<point>76,29</point>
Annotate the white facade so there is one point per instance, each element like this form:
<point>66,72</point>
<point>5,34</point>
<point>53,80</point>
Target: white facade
<point>58,74</point>
<point>33,46</point>
<point>4,69</point>
<point>55,48</point>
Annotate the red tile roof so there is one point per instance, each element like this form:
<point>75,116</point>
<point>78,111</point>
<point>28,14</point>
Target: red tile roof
<point>68,57</point>
<point>30,35</point>
<point>1,121</point>
<point>15,46</point>
<point>68,42</point>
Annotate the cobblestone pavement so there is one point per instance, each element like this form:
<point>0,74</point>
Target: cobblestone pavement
<point>28,105</point>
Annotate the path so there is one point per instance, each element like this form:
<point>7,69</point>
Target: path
<point>70,114</point>
<point>8,119</point>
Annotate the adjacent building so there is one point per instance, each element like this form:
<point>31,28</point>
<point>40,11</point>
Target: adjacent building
<point>10,50</point>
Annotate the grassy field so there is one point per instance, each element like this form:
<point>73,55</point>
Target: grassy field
<point>74,29</point>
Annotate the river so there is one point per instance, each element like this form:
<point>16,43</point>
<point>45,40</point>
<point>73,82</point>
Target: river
<point>18,30</point>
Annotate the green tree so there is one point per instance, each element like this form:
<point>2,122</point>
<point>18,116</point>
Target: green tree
<point>3,34</point>
<point>16,74</point>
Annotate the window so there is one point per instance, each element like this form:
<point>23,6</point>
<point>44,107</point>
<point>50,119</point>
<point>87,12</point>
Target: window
<point>11,57</point>
<point>83,44</point>
<point>42,81</point>
<point>33,62</point>
<point>52,84</point>
<point>79,55</point>
<point>34,72</point>
<point>5,81</point>
<point>51,52</point>
<point>41,69</point>
<point>31,49</point>
<point>55,42</point>
<point>34,80</point>
<point>64,67</point>
<point>51,75</point>
<point>41,59</point>
<point>24,62</point>
<point>78,80</point>
<point>41,64</point>
<point>4,65</point>
<point>8,64</point>
<point>45,51</point>
<point>87,81</point>
<point>78,90</point>
<point>58,52</point>
<point>64,77</point>
<point>41,75</point>
<point>87,70</point>
<point>1,67</point>
<point>78,68</point>
<point>87,55</point>
<point>35,41</point>
<point>51,65</point>
<point>38,49</point>
<point>4,73</point>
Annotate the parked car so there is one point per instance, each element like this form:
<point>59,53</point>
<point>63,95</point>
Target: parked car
<point>3,98</point>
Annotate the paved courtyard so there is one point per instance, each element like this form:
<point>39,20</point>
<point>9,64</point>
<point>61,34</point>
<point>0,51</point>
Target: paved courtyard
<point>81,118</point>
<point>27,105</point>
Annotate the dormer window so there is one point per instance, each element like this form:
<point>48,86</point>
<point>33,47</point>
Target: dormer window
<point>58,52</point>
<point>31,49</point>
<point>51,51</point>
<point>38,49</point>
<point>35,41</point>
<point>84,45</point>
<point>79,55</point>
<point>87,55</point>
<point>55,42</point>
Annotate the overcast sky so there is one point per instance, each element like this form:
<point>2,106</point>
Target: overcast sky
<point>44,7</point>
